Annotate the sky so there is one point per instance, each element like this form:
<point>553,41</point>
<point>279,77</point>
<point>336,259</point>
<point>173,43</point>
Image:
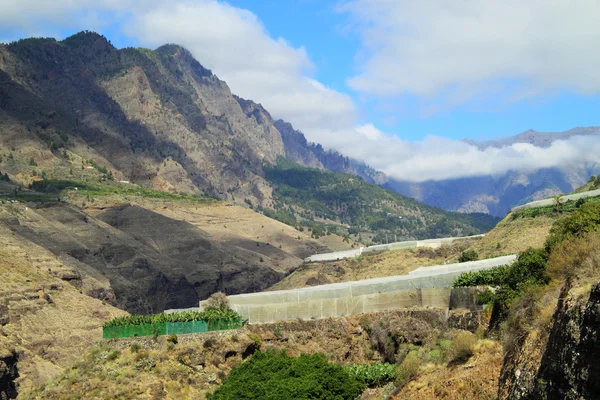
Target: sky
<point>394,83</point>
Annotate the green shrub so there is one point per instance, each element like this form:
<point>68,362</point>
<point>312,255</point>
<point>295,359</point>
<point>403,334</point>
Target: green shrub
<point>113,355</point>
<point>374,374</point>
<point>408,369</point>
<point>586,219</point>
<point>273,375</point>
<point>435,356</point>
<point>468,255</point>
<point>172,338</point>
<point>529,269</point>
<point>487,277</point>
<point>462,347</point>
<point>135,347</point>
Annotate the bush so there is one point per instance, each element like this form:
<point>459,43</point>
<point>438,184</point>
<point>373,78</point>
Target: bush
<point>374,374</point>
<point>172,338</point>
<point>488,277</point>
<point>462,347</point>
<point>217,301</point>
<point>468,255</point>
<point>135,347</point>
<point>584,220</point>
<point>409,369</point>
<point>528,270</point>
<point>113,355</point>
<point>274,375</point>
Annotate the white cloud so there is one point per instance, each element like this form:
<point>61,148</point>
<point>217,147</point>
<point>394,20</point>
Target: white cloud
<point>437,158</point>
<point>456,51</point>
<point>236,46</point>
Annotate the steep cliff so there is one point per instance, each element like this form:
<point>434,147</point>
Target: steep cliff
<point>9,372</point>
<point>560,361</point>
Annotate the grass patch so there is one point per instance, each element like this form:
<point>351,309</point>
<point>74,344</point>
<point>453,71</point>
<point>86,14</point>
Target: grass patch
<point>58,186</point>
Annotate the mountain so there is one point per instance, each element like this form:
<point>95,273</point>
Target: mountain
<point>327,201</point>
<point>496,195</point>
<point>538,139</point>
<point>155,118</point>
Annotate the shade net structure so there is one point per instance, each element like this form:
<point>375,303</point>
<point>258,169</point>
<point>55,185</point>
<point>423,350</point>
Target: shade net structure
<point>168,328</point>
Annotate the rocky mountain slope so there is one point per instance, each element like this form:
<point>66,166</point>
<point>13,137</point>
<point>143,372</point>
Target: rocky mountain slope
<point>154,118</point>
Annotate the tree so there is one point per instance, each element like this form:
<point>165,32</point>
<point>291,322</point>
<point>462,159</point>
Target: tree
<point>217,301</point>
<point>558,201</point>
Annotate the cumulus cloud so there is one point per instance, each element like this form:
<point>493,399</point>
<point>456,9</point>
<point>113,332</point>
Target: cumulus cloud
<point>455,51</point>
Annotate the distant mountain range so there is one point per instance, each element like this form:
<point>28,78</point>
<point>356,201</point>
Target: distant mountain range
<point>496,195</point>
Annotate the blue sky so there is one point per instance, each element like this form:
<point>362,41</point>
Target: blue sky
<point>408,76</point>
<point>324,32</point>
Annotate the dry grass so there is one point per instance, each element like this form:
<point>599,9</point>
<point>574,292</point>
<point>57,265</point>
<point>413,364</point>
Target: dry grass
<point>514,236</point>
<point>50,322</point>
<point>476,379</point>
<point>510,236</point>
<point>388,263</point>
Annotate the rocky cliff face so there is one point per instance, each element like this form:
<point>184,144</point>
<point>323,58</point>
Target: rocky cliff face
<point>563,364</point>
<point>157,116</point>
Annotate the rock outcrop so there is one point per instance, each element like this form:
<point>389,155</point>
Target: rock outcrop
<point>8,374</point>
<point>563,364</point>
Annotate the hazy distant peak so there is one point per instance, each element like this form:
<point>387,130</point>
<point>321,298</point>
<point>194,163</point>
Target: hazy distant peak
<point>538,139</point>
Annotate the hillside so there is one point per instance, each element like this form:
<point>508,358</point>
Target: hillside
<point>49,313</point>
<point>515,233</point>
<point>345,204</point>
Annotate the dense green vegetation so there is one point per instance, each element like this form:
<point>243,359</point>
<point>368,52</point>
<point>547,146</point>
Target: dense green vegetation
<point>275,375</point>
<point>56,186</point>
<point>304,195</point>
<point>373,375</point>
<point>468,255</point>
<point>208,316</point>
<point>556,209</point>
<point>530,268</point>
<point>592,184</point>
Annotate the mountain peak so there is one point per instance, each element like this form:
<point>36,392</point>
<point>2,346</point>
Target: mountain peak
<point>89,39</point>
<point>178,52</point>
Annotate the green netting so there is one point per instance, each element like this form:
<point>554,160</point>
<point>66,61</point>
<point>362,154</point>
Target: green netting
<point>221,325</point>
<point>182,328</point>
<point>113,332</point>
<point>167,328</point>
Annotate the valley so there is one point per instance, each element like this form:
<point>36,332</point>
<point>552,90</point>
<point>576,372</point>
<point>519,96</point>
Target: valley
<point>133,181</point>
